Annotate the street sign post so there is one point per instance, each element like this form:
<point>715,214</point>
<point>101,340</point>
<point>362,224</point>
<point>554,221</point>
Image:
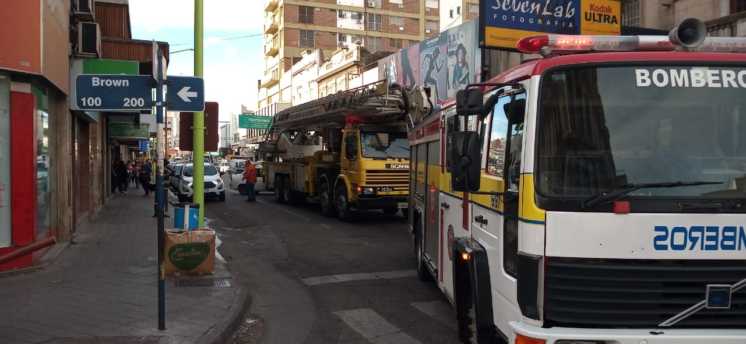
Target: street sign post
<point>185,94</point>
<point>103,92</point>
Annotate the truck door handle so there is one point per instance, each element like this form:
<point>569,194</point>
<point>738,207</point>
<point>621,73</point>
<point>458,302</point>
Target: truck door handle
<point>480,219</point>
<point>445,205</point>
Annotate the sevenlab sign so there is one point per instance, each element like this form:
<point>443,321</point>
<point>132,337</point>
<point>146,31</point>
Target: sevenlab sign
<point>504,22</point>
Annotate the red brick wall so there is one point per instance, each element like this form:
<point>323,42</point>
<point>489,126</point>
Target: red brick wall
<point>411,26</point>
<point>292,37</point>
<point>409,6</point>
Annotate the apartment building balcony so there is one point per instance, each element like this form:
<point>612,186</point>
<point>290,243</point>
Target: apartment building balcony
<point>270,79</point>
<point>271,5</point>
<point>271,26</point>
<point>272,46</point>
<point>733,25</point>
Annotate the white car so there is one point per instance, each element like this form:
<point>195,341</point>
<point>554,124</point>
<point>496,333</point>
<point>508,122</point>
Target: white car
<point>213,183</point>
<point>223,167</point>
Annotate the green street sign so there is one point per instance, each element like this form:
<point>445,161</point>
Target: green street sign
<point>128,130</point>
<point>246,121</point>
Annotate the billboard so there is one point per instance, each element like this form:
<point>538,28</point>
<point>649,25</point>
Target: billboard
<point>445,63</point>
<point>504,22</point>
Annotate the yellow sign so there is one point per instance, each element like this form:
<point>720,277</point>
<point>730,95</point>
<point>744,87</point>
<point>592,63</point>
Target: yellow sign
<point>600,17</point>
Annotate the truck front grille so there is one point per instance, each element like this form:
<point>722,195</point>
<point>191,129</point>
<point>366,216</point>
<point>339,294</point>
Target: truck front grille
<point>616,293</point>
<point>397,179</point>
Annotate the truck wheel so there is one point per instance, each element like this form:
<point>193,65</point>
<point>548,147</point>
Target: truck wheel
<point>390,210</point>
<point>287,192</point>
<point>422,272</point>
<point>327,207</point>
<point>279,189</point>
<point>343,203</point>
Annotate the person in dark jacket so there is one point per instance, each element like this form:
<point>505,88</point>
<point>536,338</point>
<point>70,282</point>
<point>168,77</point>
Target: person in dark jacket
<point>121,171</point>
<point>145,172</point>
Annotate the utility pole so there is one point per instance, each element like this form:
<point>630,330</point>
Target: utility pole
<point>160,194</point>
<point>198,151</point>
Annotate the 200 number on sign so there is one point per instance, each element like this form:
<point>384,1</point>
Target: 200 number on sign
<point>91,101</point>
<point>134,102</point>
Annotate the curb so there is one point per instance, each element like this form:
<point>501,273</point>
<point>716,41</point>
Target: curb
<point>236,318</point>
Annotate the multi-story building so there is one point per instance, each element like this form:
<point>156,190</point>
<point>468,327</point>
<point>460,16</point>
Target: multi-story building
<point>54,156</point>
<point>456,12</point>
<point>722,17</point>
<point>294,26</point>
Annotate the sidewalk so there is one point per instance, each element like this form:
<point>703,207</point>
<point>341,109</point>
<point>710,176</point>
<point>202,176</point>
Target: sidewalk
<point>103,289</point>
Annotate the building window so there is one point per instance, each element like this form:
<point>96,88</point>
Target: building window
<point>306,39</point>
<point>474,9</point>
<point>737,6</point>
<point>305,14</point>
<point>431,27</point>
<point>373,44</point>
<point>458,10</point>
<point>431,4</point>
<point>341,40</point>
<point>450,13</point>
<point>374,22</point>
<point>397,21</point>
<point>397,2</point>
<point>631,13</point>
<point>395,43</point>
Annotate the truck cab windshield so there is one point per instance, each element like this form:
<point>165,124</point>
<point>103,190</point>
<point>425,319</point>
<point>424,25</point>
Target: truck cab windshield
<point>604,128</point>
<point>385,145</point>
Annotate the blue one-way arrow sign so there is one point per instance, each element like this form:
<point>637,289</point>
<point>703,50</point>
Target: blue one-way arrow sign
<point>185,94</point>
<point>114,92</point>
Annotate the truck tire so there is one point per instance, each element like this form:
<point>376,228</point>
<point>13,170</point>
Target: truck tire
<point>279,192</point>
<point>287,192</point>
<point>325,199</point>
<point>342,203</point>
<point>390,210</point>
<point>423,274</point>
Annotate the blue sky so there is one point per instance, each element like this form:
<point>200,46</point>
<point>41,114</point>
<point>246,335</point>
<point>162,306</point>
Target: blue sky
<point>231,65</point>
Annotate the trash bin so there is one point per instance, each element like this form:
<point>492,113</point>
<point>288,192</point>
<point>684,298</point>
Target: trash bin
<point>179,219</point>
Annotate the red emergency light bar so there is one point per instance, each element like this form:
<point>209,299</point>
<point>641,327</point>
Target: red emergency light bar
<point>558,44</point>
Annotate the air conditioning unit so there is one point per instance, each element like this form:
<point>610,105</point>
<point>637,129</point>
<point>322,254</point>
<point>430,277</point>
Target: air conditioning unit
<point>84,9</point>
<point>372,3</point>
<point>89,39</point>
<point>427,31</point>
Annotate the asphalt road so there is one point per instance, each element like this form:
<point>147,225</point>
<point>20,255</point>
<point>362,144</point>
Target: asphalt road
<point>315,279</point>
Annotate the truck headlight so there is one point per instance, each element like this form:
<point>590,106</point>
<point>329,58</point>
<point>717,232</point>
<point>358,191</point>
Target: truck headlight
<point>368,191</point>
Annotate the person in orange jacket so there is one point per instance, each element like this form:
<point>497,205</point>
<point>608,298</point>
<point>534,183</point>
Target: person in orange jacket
<point>249,177</point>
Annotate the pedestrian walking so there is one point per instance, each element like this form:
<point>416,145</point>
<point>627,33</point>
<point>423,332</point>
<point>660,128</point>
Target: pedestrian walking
<point>122,177</point>
<point>249,177</point>
<point>136,174</point>
<point>145,177</point>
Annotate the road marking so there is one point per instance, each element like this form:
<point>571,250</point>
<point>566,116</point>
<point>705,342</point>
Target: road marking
<point>373,327</point>
<point>364,276</point>
<point>437,310</point>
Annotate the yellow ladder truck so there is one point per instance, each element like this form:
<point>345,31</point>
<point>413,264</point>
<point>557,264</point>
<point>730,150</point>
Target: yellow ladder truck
<point>347,151</point>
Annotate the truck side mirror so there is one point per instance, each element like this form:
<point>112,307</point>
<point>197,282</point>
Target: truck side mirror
<point>515,110</point>
<point>469,102</point>
<point>464,159</point>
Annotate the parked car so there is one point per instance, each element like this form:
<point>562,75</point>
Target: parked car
<point>235,172</point>
<point>213,183</point>
<point>175,175</point>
